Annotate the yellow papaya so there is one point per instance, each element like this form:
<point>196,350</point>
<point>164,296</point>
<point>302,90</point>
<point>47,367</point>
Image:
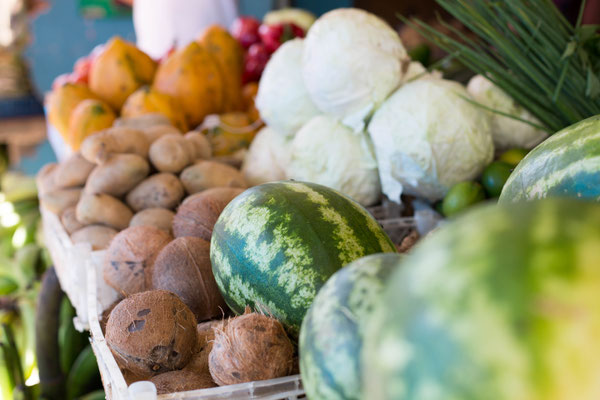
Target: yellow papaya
<point>230,56</point>
<point>147,100</point>
<point>89,117</point>
<point>192,77</point>
<point>119,71</point>
<point>61,103</point>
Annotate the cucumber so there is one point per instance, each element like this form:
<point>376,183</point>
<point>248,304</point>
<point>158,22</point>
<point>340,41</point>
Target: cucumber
<point>83,374</point>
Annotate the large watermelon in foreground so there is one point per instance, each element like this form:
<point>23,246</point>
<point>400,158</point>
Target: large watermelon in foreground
<point>332,331</point>
<point>276,244</point>
<point>502,304</point>
<point>566,164</point>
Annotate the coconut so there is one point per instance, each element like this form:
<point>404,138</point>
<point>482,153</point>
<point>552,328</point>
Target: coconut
<point>251,347</point>
<point>152,332</point>
<point>183,267</point>
<point>181,381</point>
<point>199,213</point>
<point>206,336</point>
<point>130,256</point>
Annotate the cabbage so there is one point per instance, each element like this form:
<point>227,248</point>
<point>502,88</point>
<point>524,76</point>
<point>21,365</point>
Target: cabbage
<point>507,132</point>
<point>352,61</point>
<point>427,138</point>
<point>416,70</point>
<point>326,152</point>
<point>267,157</point>
<point>282,99</point>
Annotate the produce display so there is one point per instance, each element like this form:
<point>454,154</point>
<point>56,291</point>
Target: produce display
<point>225,186</point>
<point>492,306</point>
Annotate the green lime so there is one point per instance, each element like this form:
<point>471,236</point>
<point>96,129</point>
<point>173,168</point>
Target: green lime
<point>513,156</point>
<point>461,196</point>
<point>495,176</point>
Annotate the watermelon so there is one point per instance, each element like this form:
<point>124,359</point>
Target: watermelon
<point>567,164</point>
<point>501,304</point>
<point>276,244</point>
<point>332,330</point>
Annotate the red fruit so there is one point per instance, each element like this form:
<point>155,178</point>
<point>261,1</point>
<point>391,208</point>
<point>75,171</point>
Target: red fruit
<point>274,35</point>
<point>245,30</point>
<point>255,61</point>
<point>60,80</point>
<point>81,69</point>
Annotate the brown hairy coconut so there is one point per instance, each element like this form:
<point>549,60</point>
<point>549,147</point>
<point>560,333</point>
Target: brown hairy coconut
<point>251,347</point>
<point>130,256</point>
<point>206,336</point>
<point>181,381</point>
<point>183,267</point>
<point>152,332</point>
<point>199,213</point>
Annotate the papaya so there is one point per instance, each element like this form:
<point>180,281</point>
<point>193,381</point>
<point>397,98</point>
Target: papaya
<point>147,100</point>
<point>249,91</point>
<point>89,117</point>
<point>61,103</point>
<point>119,71</point>
<point>230,57</point>
<point>192,77</point>
<point>229,132</point>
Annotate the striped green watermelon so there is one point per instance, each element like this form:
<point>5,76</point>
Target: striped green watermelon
<point>502,304</point>
<point>332,331</point>
<point>276,244</point>
<point>566,164</point>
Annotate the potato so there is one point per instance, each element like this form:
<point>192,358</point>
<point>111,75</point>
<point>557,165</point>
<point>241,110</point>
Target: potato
<point>153,133</point>
<point>103,209</point>
<point>162,190</point>
<point>160,218</point>
<point>59,200</point>
<point>73,172</point>
<point>70,221</point>
<point>142,122</point>
<point>201,144</point>
<point>118,175</point>
<point>98,236</point>
<point>209,174</point>
<point>98,147</point>
<point>45,179</point>
<point>171,153</point>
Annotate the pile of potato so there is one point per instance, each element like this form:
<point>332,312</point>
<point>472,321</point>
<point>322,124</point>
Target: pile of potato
<point>135,173</point>
<point>125,192</point>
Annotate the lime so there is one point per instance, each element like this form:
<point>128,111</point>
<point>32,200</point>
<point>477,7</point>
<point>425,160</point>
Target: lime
<point>495,176</point>
<point>513,156</point>
<point>461,196</point>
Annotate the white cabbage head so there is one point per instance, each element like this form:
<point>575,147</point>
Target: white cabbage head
<point>282,99</point>
<point>266,158</point>
<point>507,132</point>
<point>327,152</point>
<point>352,61</point>
<point>428,138</point>
<point>415,70</point>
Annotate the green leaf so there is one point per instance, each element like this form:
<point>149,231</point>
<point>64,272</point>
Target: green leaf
<point>569,50</point>
<point>592,89</point>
